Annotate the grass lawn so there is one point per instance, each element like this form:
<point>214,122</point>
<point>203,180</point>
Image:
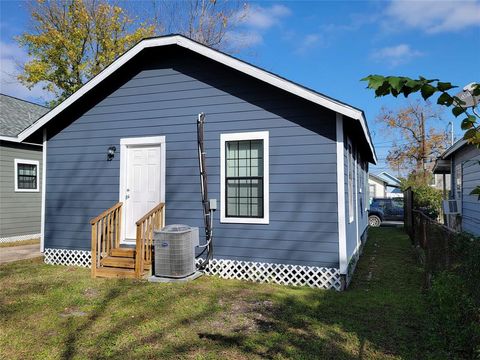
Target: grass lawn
<point>55,312</point>
<point>20,243</point>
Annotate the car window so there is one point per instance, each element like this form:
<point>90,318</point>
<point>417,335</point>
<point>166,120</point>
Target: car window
<point>397,203</point>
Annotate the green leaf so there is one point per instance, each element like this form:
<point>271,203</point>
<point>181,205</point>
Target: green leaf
<point>374,81</point>
<point>457,110</point>
<point>472,136</point>
<point>383,90</point>
<point>427,91</point>
<point>444,86</point>
<point>468,122</point>
<point>445,99</point>
<point>476,90</point>
<point>396,82</point>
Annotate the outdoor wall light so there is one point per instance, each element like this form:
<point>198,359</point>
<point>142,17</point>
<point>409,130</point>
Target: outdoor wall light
<point>111,153</point>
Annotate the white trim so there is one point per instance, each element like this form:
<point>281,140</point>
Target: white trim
<point>257,135</point>
<point>19,238</point>
<point>9,138</point>
<point>229,61</point>
<point>357,195</point>
<point>44,190</point>
<point>140,141</point>
<point>28,162</point>
<point>350,192</point>
<point>283,274</point>
<point>68,257</point>
<point>342,224</point>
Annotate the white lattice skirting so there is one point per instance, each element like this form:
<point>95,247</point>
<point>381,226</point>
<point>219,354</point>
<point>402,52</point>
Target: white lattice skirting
<point>283,274</point>
<point>68,257</point>
<point>19,238</point>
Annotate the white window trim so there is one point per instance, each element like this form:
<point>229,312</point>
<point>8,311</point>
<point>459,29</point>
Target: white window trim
<point>350,192</point>
<point>258,135</point>
<point>29,162</point>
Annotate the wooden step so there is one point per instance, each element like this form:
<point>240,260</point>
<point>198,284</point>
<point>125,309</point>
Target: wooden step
<point>118,262</point>
<point>122,262</point>
<point>109,272</point>
<point>123,252</point>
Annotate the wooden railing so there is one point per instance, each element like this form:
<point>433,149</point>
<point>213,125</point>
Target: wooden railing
<point>106,229</point>
<point>153,220</point>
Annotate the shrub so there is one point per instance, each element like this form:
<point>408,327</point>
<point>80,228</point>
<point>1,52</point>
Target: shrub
<point>454,317</point>
<point>427,199</point>
<point>454,299</point>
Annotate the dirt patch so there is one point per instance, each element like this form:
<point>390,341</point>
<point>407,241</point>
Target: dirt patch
<point>72,311</point>
<point>90,293</point>
<point>244,316</point>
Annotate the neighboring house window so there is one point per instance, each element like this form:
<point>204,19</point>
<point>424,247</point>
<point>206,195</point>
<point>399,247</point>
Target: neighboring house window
<point>458,182</point>
<point>372,191</point>
<point>350,181</point>
<point>244,182</point>
<point>26,175</point>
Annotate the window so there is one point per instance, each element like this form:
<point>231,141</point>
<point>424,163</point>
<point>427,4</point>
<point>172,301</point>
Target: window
<point>350,181</point>
<point>458,182</point>
<point>26,175</point>
<point>372,191</point>
<point>244,178</point>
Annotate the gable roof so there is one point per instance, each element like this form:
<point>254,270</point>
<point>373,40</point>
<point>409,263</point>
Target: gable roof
<point>377,178</point>
<point>16,115</point>
<point>454,148</point>
<point>391,180</point>
<point>222,58</point>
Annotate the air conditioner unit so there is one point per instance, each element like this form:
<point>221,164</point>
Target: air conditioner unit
<point>175,251</point>
<point>451,207</point>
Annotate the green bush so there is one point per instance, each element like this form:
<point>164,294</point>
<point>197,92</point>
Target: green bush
<point>454,300</point>
<point>454,318</point>
<point>427,199</point>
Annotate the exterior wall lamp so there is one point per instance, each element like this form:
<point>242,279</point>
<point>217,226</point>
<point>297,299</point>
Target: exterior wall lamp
<point>111,153</point>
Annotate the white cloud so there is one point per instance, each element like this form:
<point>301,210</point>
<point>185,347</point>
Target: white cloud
<point>11,57</point>
<point>238,39</point>
<point>309,42</point>
<point>395,55</point>
<point>434,16</point>
<point>259,17</point>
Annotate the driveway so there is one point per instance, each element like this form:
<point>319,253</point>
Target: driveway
<point>15,253</point>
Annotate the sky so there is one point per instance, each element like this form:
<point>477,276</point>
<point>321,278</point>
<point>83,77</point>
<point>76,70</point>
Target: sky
<point>327,46</point>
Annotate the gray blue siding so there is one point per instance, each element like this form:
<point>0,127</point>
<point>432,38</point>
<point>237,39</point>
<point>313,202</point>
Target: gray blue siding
<point>164,98</point>
<point>20,212</point>
<point>468,158</point>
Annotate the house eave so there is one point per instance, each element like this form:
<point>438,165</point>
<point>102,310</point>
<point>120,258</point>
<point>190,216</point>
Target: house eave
<point>220,57</point>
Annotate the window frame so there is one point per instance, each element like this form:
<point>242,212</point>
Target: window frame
<point>15,174</point>
<point>245,136</point>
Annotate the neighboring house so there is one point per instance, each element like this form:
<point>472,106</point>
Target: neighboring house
<point>462,162</point>
<point>20,171</point>
<point>383,185</point>
<point>288,165</point>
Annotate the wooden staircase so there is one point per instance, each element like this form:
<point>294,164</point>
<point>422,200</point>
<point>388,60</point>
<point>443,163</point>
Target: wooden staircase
<point>109,258</point>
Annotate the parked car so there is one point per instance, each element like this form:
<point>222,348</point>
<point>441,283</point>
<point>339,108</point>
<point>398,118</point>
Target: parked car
<point>385,209</point>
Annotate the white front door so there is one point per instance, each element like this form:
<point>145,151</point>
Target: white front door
<point>142,184</point>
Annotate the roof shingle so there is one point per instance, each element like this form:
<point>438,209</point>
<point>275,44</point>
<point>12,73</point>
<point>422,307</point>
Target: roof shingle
<point>16,115</point>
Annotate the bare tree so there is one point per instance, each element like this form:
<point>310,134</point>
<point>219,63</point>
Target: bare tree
<point>415,143</point>
<point>209,22</point>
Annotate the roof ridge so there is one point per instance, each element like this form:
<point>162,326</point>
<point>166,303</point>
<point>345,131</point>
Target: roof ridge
<point>27,101</point>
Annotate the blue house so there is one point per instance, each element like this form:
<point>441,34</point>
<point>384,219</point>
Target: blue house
<point>288,165</point>
<point>462,162</point>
